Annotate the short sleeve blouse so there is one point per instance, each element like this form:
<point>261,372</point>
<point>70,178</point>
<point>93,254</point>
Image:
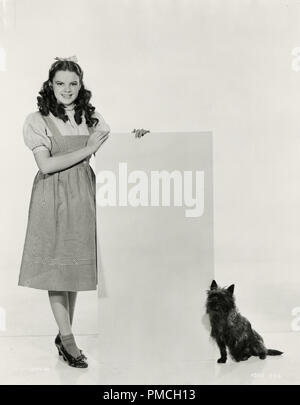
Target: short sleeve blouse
<point>37,135</point>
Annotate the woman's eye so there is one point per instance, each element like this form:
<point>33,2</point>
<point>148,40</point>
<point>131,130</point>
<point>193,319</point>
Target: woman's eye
<point>72,84</point>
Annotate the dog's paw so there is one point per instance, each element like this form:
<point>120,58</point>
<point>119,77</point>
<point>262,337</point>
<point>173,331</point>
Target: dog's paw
<point>222,360</point>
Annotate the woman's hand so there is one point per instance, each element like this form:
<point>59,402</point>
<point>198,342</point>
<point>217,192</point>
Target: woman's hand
<point>140,132</point>
<point>96,139</point>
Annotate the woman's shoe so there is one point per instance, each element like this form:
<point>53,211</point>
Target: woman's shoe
<point>78,362</point>
<point>58,343</point>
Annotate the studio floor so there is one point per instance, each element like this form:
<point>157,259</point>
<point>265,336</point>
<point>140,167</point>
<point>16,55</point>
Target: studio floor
<point>130,341</point>
<point>34,361</point>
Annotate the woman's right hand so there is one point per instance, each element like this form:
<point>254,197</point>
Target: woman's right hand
<point>96,139</point>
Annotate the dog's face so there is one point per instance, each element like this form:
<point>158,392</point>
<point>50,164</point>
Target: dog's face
<point>219,299</point>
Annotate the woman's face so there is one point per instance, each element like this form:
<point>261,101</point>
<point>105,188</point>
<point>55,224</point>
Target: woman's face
<point>66,86</point>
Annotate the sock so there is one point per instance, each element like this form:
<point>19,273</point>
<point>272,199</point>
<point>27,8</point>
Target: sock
<point>69,344</point>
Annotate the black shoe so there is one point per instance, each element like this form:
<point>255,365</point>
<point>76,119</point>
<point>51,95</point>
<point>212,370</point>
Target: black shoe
<point>77,362</point>
<point>58,342</point>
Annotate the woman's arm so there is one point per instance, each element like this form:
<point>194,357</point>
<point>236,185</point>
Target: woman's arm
<point>49,164</point>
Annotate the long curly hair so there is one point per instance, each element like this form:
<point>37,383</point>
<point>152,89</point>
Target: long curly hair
<point>47,101</point>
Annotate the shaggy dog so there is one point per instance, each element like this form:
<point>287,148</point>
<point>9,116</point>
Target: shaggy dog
<point>229,328</point>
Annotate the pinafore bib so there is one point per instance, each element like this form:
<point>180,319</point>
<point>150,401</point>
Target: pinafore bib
<point>60,249</point>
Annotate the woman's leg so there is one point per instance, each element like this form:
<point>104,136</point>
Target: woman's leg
<point>72,301</point>
<point>59,301</point>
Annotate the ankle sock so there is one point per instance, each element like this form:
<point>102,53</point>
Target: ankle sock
<point>69,344</point>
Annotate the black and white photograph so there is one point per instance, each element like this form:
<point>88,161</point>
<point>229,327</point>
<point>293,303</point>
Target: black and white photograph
<point>150,202</point>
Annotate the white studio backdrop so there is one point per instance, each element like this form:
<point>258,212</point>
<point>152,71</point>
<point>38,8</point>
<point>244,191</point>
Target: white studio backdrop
<point>226,67</point>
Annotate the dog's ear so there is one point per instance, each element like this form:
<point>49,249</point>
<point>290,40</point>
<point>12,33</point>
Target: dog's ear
<point>231,289</point>
<point>213,285</point>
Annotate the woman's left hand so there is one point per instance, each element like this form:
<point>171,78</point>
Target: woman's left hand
<point>140,132</point>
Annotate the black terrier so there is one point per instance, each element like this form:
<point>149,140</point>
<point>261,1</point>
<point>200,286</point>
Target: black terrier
<point>229,328</point>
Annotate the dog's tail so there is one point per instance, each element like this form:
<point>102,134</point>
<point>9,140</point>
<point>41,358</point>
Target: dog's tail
<point>272,352</point>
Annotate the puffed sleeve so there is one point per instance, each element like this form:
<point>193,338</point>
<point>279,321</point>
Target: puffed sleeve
<point>34,133</point>
<point>102,125</point>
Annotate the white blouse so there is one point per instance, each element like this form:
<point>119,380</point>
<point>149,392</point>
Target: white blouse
<point>35,131</point>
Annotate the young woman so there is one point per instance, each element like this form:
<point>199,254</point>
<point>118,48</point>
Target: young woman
<point>60,249</point>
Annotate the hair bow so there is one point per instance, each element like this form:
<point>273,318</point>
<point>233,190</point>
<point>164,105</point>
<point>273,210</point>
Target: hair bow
<point>70,58</point>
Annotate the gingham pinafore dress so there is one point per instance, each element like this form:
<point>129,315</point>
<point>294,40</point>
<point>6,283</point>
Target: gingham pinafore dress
<point>60,249</point>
